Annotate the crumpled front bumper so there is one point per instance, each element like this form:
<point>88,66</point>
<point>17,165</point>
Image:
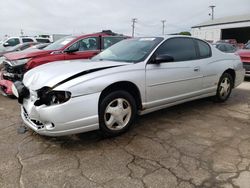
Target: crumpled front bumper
<point>79,114</point>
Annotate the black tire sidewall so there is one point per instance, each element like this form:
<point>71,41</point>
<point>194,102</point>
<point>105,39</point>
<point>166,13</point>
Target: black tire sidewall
<point>218,97</point>
<point>104,103</point>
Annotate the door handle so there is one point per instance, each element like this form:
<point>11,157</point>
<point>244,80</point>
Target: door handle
<point>196,69</point>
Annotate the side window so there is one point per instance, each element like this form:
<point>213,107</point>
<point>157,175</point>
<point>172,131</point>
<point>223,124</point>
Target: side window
<point>230,48</point>
<point>91,43</point>
<point>27,40</point>
<point>86,44</point>
<point>13,41</point>
<point>221,47</point>
<point>43,40</point>
<point>109,41</point>
<point>204,49</point>
<point>181,49</point>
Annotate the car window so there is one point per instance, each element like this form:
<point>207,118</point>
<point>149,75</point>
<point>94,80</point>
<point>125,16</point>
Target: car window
<point>109,41</point>
<point>13,41</point>
<point>181,49</point>
<point>204,49</point>
<point>27,40</point>
<point>230,48</point>
<point>131,50</point>
<point>60,43</point>
<point>86,44</point>
<point>221,47</point>
<point>43,40</point>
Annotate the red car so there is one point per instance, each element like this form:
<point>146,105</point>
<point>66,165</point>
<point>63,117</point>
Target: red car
<point>68,48</point>
<point>245,58</point>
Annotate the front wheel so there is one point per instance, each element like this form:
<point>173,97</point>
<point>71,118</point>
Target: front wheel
<point>117,112</point>
<point>224,87</point>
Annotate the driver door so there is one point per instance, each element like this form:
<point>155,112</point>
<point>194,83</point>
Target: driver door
<point>170,82</point>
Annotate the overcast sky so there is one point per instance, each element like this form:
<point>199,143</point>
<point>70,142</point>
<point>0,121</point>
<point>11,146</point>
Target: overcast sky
<point>87,16</point>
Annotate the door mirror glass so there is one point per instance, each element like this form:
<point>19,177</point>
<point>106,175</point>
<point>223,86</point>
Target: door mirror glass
<point>163,59</point>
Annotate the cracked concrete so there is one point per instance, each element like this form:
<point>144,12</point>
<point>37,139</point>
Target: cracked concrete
<point>197,144</point>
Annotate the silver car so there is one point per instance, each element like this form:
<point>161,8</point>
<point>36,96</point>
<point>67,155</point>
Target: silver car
<point>135,76</point>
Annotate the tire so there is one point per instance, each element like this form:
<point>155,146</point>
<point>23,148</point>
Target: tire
<point>224,88</point>
<point>117,112</point>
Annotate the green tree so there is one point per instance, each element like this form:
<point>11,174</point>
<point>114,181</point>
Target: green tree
<point>185,33</point>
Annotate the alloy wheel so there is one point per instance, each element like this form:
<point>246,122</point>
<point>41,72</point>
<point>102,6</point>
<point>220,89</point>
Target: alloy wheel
<point>225,87</point>
<point>117,114</point>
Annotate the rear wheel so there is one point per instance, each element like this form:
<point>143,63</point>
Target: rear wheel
<point>117,112</point>
<point>224,87</point>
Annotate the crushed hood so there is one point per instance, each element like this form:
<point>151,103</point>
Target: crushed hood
<point>52,74</point>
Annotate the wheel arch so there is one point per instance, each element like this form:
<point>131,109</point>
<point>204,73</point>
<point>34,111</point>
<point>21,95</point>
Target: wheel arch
<point>125,86</point>
<point>232,73</point>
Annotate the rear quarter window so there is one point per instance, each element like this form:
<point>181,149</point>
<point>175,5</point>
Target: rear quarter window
<point>204,49</point>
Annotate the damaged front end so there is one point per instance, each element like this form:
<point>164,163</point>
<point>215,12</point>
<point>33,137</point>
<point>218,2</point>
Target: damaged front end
<point>49,97</point>
<point>33,102</point>
<point>11,72</point>
<point>44,96</point>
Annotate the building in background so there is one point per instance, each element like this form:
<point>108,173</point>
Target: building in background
<point>234,27</point>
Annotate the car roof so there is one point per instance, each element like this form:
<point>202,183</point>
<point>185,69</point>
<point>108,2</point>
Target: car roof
<point>98,34</point>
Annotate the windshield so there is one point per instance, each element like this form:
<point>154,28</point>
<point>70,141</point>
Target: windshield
<point>248,46</point>
<point>129,50</point>
<point>60,43</point>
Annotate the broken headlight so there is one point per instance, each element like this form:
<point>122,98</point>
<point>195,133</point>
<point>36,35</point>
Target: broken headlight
<point>59,97</point>
<point>51,97</point>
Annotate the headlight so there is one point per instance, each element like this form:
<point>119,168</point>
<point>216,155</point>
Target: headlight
<point>59,97</point>
<point>51,97</point>
<point>20,62</point>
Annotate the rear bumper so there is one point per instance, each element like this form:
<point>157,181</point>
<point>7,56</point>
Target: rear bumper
<point>247,67</point>
<point>5,85</point>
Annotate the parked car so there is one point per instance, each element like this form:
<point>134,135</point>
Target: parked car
<point>245,58</point>
<point>134,76</point>
<point>229,41</point>
<point>19,47</point>
<point>68,48</point>
<point>225,47</point>
<point>38,46</point>
<point>53,37</point>
<point>13,41</point>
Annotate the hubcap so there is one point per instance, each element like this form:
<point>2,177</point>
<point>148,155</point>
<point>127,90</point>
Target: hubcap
<point>117,114</point>
<point>225,87</point>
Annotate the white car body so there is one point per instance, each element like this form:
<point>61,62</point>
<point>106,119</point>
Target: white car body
<point>159,86</point>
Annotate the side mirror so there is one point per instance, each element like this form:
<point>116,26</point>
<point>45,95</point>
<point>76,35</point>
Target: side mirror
<point>163,59</point>
<point>72,49</point>
<point>6,44</point>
